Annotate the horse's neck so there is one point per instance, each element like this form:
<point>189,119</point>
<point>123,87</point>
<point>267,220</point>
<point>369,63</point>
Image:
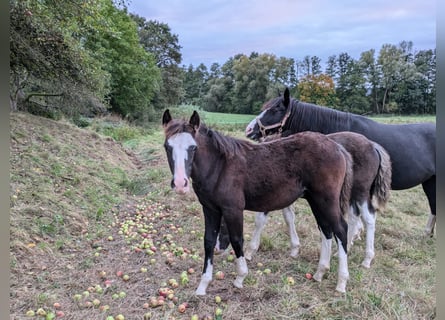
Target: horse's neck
<point>309,117</point>
<point>205,161</point>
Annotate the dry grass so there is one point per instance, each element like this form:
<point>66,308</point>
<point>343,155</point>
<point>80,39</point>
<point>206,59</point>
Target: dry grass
<point>60,245</point>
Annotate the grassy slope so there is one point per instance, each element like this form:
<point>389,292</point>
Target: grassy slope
<point>69,193</point>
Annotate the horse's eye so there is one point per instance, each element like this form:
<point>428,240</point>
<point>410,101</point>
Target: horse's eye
<point>193,148</point>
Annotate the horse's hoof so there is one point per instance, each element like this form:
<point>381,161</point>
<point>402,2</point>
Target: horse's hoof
<point>294,253</point>
<point>366,264</point>
<point>317,276</point>
<point>200,293</point>
<point>238,283</point>
<point>341,288</point>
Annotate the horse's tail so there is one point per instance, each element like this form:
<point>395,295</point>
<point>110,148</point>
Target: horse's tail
<point>345,194</point>
<point>380,189</point>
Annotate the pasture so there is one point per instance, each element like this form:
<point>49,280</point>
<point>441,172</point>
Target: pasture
<point>112,213</point>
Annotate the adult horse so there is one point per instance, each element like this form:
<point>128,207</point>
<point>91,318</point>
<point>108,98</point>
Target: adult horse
<point>227,179</point>
<point>369,194</point>
<point>412,147</point>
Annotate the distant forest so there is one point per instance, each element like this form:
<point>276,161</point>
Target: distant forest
<point>84,58</point>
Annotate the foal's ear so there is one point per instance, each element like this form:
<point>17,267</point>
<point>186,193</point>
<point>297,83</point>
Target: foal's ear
<point>166,117</point>
<point>194,120</point>
<point>286,97</point>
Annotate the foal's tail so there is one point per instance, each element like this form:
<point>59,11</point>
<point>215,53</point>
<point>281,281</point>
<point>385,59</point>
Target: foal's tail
<point>380,189</point>
<point>345,194</point>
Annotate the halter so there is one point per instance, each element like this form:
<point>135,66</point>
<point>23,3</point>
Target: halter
<point>279,125</point>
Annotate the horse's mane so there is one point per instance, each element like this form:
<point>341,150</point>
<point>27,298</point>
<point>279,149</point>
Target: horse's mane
<point>226,145</point>
<point>312,117</point>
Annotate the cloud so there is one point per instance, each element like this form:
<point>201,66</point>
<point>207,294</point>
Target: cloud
<point>215,30</point>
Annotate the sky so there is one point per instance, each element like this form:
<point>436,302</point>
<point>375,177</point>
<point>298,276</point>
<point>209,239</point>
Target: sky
<point>214,30</point>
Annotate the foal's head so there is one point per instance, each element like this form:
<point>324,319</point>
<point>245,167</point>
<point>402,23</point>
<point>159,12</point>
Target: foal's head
<point>180,146</point>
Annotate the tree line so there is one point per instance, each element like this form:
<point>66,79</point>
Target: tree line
<point>88,57</point>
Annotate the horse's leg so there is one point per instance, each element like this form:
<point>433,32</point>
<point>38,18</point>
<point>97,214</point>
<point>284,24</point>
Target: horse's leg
<point>343,272</point>
<point>212,225</point>
<point>325,257</point>
<point>354,223</point>
<point>222,241</point>
<point>289,217</point>
<point>429,187</point>
<point>369,215</point>
<point>254,244</point>
<point>234,221</point>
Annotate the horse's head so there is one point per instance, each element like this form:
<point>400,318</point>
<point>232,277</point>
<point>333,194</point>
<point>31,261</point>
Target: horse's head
<point>272,119</point>
<point>180,146</point>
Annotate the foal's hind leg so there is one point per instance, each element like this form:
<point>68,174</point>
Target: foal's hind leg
<point>289,217</point>
<point>324,263</point>
<point>369,215</point>
<point>429,187</point>
<point>254,244</point>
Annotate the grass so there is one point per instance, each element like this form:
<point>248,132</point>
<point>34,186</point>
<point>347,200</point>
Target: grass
<point>71,189</point>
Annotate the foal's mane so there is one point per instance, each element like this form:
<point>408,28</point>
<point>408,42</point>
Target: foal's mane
<point>226,145</point>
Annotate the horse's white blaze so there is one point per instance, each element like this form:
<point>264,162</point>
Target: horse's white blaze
<point>252,123</point>
<point>325,257</point>
<point>241,270</point>
<point>254,244</point>
<point>180,144</point>
<point>369,219</point>
<point>206,278</point>
<point>343,272</point>
<point>289,217</point>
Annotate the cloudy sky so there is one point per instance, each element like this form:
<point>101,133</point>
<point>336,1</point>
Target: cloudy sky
<point>215,30</point>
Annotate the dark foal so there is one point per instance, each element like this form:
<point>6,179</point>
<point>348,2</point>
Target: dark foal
<point>228,179</point>
<point>369,194</point>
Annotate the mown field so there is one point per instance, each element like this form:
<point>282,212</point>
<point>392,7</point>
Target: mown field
<point>96,233</point>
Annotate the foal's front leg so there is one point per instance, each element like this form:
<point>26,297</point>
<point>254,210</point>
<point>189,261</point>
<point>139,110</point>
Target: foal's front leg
<point>212,225</point>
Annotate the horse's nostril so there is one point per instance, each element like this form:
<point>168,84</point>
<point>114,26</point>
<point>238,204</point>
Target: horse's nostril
<point>186,183</point>
<point>172,184</point>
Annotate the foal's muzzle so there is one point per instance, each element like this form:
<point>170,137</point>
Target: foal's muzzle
<point>180,186</point>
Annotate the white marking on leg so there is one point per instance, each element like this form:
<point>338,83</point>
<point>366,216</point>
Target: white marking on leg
<point>241,270</point>
<point>289,217</point>
<point>325,258</point>
<point>369,219</point>
<point>353,224</point>
<point>429,229</point>
<point>206,278</point>
<point>343,272</point>
<point>254,244</point>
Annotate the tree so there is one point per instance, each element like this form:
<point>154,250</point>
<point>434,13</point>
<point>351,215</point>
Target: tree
<point>372,75</point>
<point>157,38</point>
<point>396,68</point>
<point>135,78</point>
<point>318,89</point>
<point>48,61</point>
